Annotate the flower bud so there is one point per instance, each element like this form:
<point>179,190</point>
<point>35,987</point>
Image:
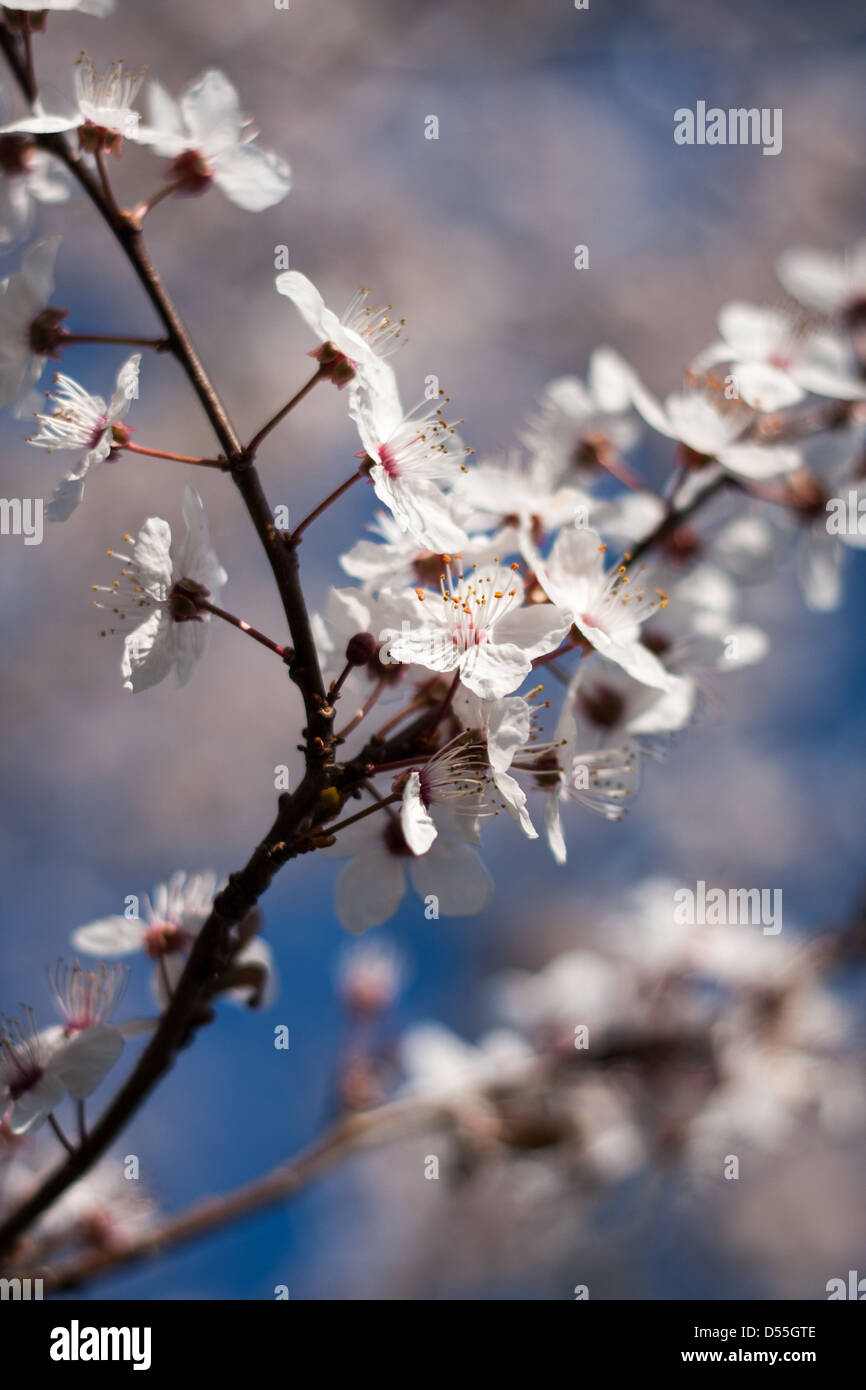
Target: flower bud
<point>361,649</point>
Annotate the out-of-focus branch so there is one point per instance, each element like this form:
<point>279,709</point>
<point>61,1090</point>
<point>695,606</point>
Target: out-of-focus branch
<point>355,1133</point>
<point>400,1119</point>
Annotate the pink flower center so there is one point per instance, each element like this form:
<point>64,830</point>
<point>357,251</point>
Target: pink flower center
<point>165,939</point>
<point>469,636</point>
<point>191,172</point>
<point>29,1074</point>
<point>97,432</point>
<point>388,461</point>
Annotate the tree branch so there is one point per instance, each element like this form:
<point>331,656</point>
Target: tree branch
<point>373,1129</point>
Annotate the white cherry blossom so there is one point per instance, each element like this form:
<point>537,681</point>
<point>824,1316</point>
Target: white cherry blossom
<point>83,421</point>
<point>506,728</point>
<point>714,426</point>
<point>210,142</point>
<point>28,177</point>
<point>408,456</point>
<point>577,424</point>
<point>606,606</point>
<point>775,360</point>
<point>516,495</point>
<point>602,779</point>
<point>102,111</point>
<point>371,886</point>
<point>396,557</point>
<point>479,628</point>
<point>153,602</point>
<point>352,347</point>
<point>825,280</point>
<point>455,777</point>
<point>173,916</point>
<point>27,326</point>
<point>39,1068</point>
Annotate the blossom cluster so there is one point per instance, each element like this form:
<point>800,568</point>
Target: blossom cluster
<point>481,574</point>
<point>642,1041</point>
<point>532,628</point>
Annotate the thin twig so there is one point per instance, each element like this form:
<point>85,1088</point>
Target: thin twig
<point>356,1133</point>
<point>381,802</point>
<point>117,339</point>
<point>281,414</point>
<point>285,653</point>
<point>55,1125</point>
<point>175,458</point>
<point>323,506</point>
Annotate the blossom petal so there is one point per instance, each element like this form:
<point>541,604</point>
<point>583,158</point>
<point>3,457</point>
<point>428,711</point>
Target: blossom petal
<point>453,873</point>
<point>536,629</point>
<point>369,890</point>
<point>110,936</point>
<point>87,1059</point>
<point>416,822</point>
<point>33,1106</point>
<point>148,653</point>
<point>252,178</point>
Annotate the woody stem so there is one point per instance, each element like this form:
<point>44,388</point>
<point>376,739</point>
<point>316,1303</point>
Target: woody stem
<point>107,190</point>
<point>140,211</point>
<point>323,506</point>
<point>380,805</point>
<point>121,339</point>
<point>175,458</point>
<point>566,647</point>
<point>281,414</point>
<point>60,1135</point>
<point>363,711</point>
<point>442,709</point>
<point>285,653</point>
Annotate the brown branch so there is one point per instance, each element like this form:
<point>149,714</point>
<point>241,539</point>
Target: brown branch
<point>388,1124</point>
<point>359,1132</point>
<point>673,518</point>
<point>214,946</point>
<point>265,430</point>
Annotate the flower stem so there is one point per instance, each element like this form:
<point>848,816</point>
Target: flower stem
<point>323,506</point>
<point>379,805</point>
<point>616,465</point>
<point>399,765</point>
<point>175,458</point>
<point>30,69</point>
<point>419,702</point>
<point>281,414</point>
<point>445,704</point>
<point>337,685</point>
<point>60,1135</point>
<point>363,711</point>
<point>285,653</point>
<point>124,340</point>
<point>81,1110</point>
<point>166,982</point>
<point>107,190</point>
<point>140,211</point>
<point>566,647</point>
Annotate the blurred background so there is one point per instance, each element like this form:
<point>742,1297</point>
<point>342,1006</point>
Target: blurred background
<point>555,129</point>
